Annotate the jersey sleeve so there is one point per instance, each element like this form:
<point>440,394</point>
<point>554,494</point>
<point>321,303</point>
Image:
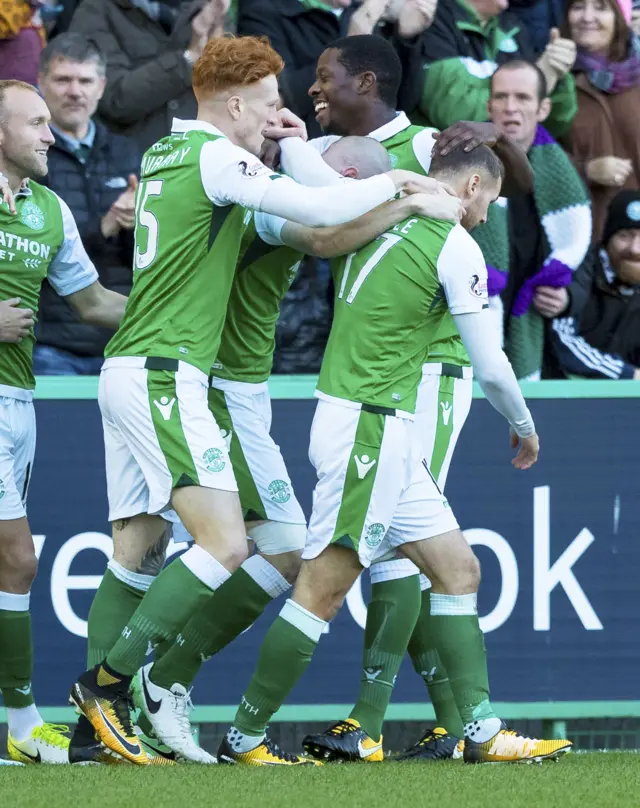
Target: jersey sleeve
<point>269,228</point>
<point>423,144</point>
<point>233,175</point>
<point>307,166</point>
<point>71,268</point>
<point>321,144</point>
<point>463,273</point>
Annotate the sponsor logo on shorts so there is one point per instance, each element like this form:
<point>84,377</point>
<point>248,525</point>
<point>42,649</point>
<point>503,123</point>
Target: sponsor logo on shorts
<point>214,460</point>
<point>364,464</point>
<point>1,488</point>
<point>32,216</point>
<point>375,534</point>
<point>447,409</point>
<point>164,406</point>
<point>478,286</point>
<point>279,491</point>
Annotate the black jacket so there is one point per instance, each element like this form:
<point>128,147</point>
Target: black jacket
<point>603,341</point>
<point>300,36</point>
<point>90,190</point>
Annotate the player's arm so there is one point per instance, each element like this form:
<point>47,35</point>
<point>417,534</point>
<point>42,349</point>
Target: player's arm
<point>305,164</point>
<point>463,275</point>
<point>99,306</point>
<point>74,277</point>
<point>231,175</point>
<point>329,242</point>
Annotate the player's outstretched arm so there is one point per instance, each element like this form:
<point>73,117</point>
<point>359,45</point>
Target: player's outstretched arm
<point>495,376</point>
<point>329,242</point>
<point>99,306</point>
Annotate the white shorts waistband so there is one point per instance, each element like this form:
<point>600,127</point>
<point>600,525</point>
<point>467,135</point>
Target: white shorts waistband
<point>244,388</point>
<point>447,369</point>
<point>20,393</point>
<point>189,371</point>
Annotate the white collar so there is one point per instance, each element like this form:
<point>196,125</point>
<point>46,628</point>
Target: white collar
<point>178,126</point>
<point>398,124</point>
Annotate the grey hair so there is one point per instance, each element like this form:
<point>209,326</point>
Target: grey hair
<point>75,48</point>
<point>365,154</point>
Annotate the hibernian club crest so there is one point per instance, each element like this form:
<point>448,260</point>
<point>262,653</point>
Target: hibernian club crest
<point>32,215</point>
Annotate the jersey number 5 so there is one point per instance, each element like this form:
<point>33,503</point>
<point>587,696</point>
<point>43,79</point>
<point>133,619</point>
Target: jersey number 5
<point>146,219</point>
<point>389,241</point>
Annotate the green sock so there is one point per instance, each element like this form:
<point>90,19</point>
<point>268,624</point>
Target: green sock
<point>427,664</point>
<point>16,653</point>
<point>391,616</point>
<point>173,597</point>
<point>460,643</point>
<point>112,607</point>
<point>237,604</point>
<point>286,651</point>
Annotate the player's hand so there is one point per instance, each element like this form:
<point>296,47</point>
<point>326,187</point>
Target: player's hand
<point>608,171</point>
<point>288,125</point>
<point>270,154</point>
<point>551,301</point>
<point>468,134</point>
<point>415,17</point>
<point>7,194</point>
<point>528,451</point>
<point>440,205</point>
<point>15,323</point>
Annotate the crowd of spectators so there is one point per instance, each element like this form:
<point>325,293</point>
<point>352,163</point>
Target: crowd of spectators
<point>560,78</point>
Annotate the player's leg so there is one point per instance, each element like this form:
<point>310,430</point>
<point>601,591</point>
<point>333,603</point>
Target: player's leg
<point>359,457</point>
<point>275,523</point>
<point>30,739</point>
<point>443,405</point>
<point>165,420</point>
<point>454,572</point>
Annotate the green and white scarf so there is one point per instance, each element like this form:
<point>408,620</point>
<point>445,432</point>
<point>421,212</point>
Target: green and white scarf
<point>564,210</point>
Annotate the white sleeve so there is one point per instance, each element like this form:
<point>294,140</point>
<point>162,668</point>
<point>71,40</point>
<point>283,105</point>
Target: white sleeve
<point>230,175</point>
<point>269,228</point>
<point>306,165</point>
<point>71,268</point>
<point>423,144</point>
<point>493,371</point>
<point>463,273</point>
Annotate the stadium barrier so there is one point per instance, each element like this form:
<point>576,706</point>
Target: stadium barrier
<point>558,545</point>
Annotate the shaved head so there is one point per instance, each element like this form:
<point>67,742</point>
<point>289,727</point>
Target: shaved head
<point>358,157</point>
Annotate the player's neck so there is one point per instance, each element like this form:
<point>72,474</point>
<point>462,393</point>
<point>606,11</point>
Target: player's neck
<point>16,178</point>
<point>371,118</point>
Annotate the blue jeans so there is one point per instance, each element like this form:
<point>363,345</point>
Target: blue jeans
<point>49,361</point>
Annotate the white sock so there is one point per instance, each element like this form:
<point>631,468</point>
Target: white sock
<point>266,576</point>
<point>482,730</point>
<point>205,567</point>
<point>240,742</point>
<point>22,721</point>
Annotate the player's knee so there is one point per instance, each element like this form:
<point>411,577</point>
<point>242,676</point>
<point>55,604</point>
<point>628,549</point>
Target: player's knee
<point>323,600</point>
<point>18,567</point>
<point>287,564</point>
<point>465,579</point>
<point>232,557</point>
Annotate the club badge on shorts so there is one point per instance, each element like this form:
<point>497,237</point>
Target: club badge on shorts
<point>214,460</point>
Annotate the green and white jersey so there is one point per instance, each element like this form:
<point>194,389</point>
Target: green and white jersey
<point>410,148</point>
<point>266,269</point>
<point>40,241</point>
<point>392,297</point>
<point>188,235</point>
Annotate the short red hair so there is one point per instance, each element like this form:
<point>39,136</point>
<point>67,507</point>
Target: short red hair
<point>234,62</point>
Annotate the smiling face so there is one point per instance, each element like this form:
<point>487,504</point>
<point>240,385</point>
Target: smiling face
<point>334,94</point>
<point>624,251</point>
<point>72,91</point>
<point>592,25</point>
<point>25,136</point>
<point>514,104</point>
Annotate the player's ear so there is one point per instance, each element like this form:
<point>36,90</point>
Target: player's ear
<point>235,106</point>
<point>351,173</point>
<point>544,109</point>
<point>366,82</point>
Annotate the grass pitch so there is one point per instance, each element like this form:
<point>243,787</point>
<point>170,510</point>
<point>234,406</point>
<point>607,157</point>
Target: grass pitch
<point>586,780</point>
